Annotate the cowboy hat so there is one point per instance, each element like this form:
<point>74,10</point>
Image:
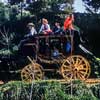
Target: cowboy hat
<point>30,24</point>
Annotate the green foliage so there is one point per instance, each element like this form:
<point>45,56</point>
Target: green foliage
<point>50,5</point>
<point>16,13</point>
<point>36,7</point>
<point>92,5</point>
<point>11,13</point>
<point>45,90</point>
<point>24,14</point>
<point>54,91</point>
<point>7,43</point>
<point>4,13</point>
<point>96,90</point>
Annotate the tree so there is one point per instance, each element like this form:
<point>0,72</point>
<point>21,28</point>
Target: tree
<point>51,5</point>
<point>12,2</point>
<point>4,13</point>
<point>92,6</point>
<point>40,6</point>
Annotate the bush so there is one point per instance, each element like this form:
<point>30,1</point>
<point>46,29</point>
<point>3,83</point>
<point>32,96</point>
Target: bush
<point>96,90</point>
<point>45,90</point>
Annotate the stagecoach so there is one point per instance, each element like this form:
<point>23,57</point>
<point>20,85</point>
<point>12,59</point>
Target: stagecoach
<point>52,55</point>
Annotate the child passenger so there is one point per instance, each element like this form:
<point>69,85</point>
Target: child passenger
<point>57,29</point>
<point>45,27</point>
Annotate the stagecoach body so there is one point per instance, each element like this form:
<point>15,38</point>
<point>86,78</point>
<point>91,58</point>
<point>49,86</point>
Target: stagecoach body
<point>51,54</point>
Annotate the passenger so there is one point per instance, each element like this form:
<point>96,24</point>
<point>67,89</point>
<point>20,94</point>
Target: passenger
<point>68,24</point>
<point>29,37</point>
<point>57,29</point>
<point>45,27</point>
<point>68,46</point>
<point>55,52</point>
<point>70,30</point>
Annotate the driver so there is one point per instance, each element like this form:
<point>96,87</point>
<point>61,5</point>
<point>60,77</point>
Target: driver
<point>29,37</point>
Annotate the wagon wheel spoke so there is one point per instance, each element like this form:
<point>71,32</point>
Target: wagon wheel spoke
<point>79,76</point>
<point>80,62</point>
<point>68,74</point>
<point>68,61</point>
<point>77,65</point>
<point>72,60</point>
<point>82,66</point>
<point>37,77</point>
<point>82,73</point>
<point>66,67</point>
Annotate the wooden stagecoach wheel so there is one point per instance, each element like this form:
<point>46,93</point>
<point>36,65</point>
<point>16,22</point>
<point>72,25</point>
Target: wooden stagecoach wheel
<point>31,72</point>
<point>75,67</point>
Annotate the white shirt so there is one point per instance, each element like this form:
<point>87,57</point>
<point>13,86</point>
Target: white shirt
<point>44,28</point>
<point>33,31</point>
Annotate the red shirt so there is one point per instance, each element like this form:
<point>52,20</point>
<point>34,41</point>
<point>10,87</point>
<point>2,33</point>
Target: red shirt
<point>68,23</point>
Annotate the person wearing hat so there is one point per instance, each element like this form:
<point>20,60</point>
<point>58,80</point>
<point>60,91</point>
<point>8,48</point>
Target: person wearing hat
<point>29,37</point>
<point>32,30</point>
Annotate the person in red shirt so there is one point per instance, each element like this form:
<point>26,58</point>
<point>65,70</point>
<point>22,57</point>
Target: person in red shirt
<point>70,30</point>
<point>68,23</point>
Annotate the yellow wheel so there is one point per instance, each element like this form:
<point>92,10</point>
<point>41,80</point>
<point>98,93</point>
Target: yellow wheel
<point>75,67</point>
<point>31,72</point>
